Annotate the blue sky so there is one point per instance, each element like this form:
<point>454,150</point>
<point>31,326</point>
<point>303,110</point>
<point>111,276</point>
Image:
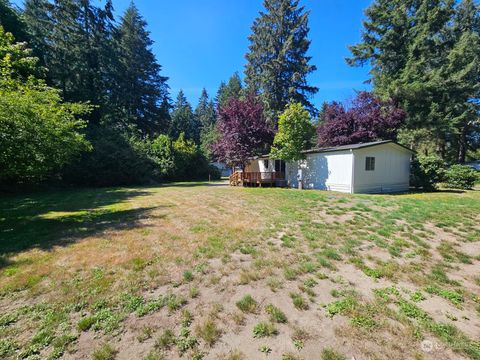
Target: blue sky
<point>199,43</point>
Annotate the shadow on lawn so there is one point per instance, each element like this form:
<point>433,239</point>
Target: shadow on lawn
<point>196,184</point>
<point>61,218</point>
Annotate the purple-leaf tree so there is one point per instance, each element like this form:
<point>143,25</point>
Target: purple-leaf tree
<point>367,119</point>
<point>244,131</point>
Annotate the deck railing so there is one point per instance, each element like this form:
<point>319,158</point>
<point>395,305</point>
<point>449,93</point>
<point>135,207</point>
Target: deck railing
<point>255,178</point>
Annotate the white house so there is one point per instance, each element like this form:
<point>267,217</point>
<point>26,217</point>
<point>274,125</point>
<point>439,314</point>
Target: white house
<point>375,167</point>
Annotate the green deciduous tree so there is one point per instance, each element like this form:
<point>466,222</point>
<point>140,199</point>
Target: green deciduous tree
<point>295,131</point>
<point>38,133</point>
<point>278,64</point>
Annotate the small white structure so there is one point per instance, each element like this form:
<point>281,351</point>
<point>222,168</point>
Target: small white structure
<point>375,167</point>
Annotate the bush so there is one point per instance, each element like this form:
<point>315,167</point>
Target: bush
<point>116,159</point>
<point>124,159</point>
<point>460,177</point>
<point>427,171</point>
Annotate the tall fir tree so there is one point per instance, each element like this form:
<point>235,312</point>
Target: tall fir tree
<point>140,94</point>
<point>77,38</point>
<point>38,15</point>
<point>12,22</point>
<point>205,110</point>
<point>278,64</point>
<point>205,115</point>
<point>233,89</point>
<point>183,120</point>
<point>428,63</point>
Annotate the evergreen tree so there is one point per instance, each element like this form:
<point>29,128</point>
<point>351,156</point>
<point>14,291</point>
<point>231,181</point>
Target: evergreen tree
<point>38,15</point>
<point>11,21</point>
<point>206,118</point>
<point>231,90</point>
<point>386,39</point>
<point>183,120</point>
<point>77,38</point>
<point>140,95</point>
<point>278,64</point>
<point>424,55</point>
<point>205,110</point>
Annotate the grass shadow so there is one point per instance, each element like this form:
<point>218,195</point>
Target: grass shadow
<point>60,218</point>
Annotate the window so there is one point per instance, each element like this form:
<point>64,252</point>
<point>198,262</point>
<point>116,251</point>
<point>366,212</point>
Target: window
<point>279,166</point>
<point>369,163</point>
<point>265,164</point>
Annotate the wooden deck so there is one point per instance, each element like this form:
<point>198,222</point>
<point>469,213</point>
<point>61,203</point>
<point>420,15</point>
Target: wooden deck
<point>257,179</point>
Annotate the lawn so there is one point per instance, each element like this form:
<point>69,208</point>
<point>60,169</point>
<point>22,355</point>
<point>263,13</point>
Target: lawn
<point>206,271</point>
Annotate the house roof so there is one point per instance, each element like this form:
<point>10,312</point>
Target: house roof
<point>353,147</point>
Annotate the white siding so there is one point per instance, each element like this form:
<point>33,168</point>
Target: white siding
<point>323,171</point>
<point>392,169</point>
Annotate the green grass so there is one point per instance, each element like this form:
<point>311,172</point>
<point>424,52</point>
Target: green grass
<point>105,352</point>
<point>247,304</point>
<point>299,301</point>
<point>276,315</point>
<point>264,329</point>
<point>99,255</point>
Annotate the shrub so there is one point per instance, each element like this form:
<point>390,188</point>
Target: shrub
<point>460,177</point>
<point>427,171</point>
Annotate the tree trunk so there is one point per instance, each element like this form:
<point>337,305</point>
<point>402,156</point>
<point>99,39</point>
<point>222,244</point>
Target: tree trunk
<point>462,145</point>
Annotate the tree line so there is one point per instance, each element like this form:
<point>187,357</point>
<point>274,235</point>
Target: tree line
<point>111,120</point>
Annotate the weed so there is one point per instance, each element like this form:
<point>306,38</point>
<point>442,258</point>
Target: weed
<point>238,318</point>
<point>453,296</point>
<point>86,323</point>
<point>290,273</point>
<point>154,355</point>
<point>232,355</point>
<point>187,276</point>
<point>208,331</point>
<point>166,340</point>
<point>331,253</point>
<point>276,315</point>
<point>247,304</point>
<point>341,306</point>
<point>263,329</point>
<point>299,344</point>
<point>300,335</point>
<point>7,347</point>
<point>146,333</point>
<point>265,349</point>
<point>362,321</point>
<point>8,319</point>
<point>331,354</point>
<point>185,341</point>
<point>417,296</point>
<point>310,282</point>
<point>187,318</point>
<point>274,284</point>
<point>104,352</point>
<point>193,292</point>
<point>299,301</point>
<point>412,311</point>
<point>290,356</point>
